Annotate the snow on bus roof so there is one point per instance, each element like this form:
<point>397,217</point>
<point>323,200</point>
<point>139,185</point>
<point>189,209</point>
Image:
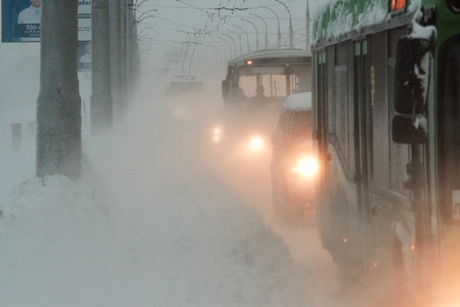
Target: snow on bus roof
<point>270,53</point>
<point>298,102</point>
<point>337,17</point>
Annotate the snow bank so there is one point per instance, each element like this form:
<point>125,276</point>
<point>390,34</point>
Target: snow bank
<point>62,245</point>
<point>146,226</point>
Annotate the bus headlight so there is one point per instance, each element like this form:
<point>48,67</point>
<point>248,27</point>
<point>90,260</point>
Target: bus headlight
<point>306,167</point>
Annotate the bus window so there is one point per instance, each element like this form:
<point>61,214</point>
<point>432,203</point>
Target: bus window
<point>278,81</point>
<point>274,84</point>
<point>300,79</point>
<point>248,84</point>
<point>280,72</point>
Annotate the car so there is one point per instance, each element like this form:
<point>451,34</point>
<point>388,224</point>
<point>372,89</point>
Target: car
<point>293,165</point>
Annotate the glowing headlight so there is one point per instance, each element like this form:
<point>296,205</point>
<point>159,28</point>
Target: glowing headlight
<point>256,143</point>
<point>217,134</point>
<point>306,167</point>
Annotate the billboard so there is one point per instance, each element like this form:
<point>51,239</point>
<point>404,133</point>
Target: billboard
<point>21,20</point>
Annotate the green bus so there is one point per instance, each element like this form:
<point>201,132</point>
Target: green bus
<point>386,106</point>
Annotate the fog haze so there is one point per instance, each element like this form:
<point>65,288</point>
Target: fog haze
<point>162,216</point>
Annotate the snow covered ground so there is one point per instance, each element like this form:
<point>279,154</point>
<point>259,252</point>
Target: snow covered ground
<point>152,222</point>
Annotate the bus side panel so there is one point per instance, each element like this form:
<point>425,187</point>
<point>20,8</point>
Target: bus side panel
<point>390,219</point>
<point>337,213</point>
<point>364,243</point>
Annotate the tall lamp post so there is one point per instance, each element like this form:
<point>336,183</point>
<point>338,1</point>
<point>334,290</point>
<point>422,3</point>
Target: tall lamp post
<point>247,36</point>
<point>257,32</point>
<point>227,43</point>
<point>239,37</point>
<point>291,32</point>
<point>234,44</point>
<point>266,29</point>
<point>139,33</point>
<point>218,54</point>
<point>195,43</point>
<point>278,19</point>
<point>223,48</point>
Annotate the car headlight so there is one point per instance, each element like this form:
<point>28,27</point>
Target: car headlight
<point>217,134</point>
<point>256,143</point>
<point>306,167</point>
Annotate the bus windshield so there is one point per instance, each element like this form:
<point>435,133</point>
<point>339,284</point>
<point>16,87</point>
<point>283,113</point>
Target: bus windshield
<point>270,75</point>
<point>276,80</point>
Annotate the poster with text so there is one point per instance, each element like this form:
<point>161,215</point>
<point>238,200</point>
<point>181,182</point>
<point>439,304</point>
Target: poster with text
<point>21,20</point>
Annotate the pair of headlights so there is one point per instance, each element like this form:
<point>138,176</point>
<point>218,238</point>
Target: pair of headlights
<point>256,143</point>
<point>305,166</point>
<point>217,134</point>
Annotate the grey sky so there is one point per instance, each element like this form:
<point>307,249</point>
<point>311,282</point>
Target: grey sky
<point>218,24</point>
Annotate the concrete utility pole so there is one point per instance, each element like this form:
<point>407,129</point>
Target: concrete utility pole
<point>266,29</point>
<point>59,103</point>
<point>195,43</point>
<point>279,28</point>
<point>233,41</point>
<point>229,44</point>
<point>101,99</point>
<point>239,38</point>
<point>132,48</point>
<point>115,59</point>
<point>224,51</point>
<point>124,52</point>
<point>247,37</point>
<point>257,32</point>
<point>291,31</point>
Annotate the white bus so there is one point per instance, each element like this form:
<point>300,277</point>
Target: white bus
<point>280,72</point>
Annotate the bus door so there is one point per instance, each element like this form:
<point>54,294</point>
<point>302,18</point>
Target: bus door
<point>448,152</point>
<point>363,141</point>
<point>321,110</point>
<point>324,204</point>
<point>321,105</point>
<point>449,131</point>
<point>362,124</point>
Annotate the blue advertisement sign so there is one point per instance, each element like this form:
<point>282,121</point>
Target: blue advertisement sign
<point>21,20</point>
